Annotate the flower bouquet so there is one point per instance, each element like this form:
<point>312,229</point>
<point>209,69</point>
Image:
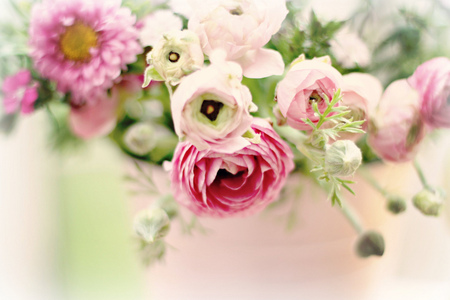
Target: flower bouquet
<point>232,98</point>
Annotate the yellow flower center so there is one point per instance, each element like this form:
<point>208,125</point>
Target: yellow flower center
<point>76,42</point>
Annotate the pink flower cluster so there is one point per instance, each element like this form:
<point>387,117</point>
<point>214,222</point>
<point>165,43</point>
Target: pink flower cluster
<point>229,163</point>
<point>397,120</point>
<point>84,46</point>
<point>411,107</point>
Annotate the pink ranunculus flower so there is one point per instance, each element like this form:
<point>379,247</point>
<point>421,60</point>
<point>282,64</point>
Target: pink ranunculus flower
<point>397,128</point>
<point>306,82</point>
<point>82,45</point>
<point>19,93</point>
<point>360,93</point>
<point>241,28</point>
<point>242,183</point>
<point>432,80</point>
<point>210,108</point>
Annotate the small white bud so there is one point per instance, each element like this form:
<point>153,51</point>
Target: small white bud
<point>140,138</point>
<point>429,201</point>
<point>342,158</point>
<point>151,225</point>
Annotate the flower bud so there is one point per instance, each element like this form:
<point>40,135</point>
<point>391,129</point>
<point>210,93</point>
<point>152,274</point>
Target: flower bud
<point>177,54</point>
<point>370,243</point>
<point>429,201</point>
<point>342,158</point>
<point>151,225</point>
<point>396,204</point>
<point>140,138</point>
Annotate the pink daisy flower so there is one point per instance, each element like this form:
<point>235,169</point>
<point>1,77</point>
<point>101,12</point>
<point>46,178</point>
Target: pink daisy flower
<point>82,45</point>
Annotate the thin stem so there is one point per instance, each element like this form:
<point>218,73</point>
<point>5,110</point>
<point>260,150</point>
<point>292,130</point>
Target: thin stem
<point>421,175</point>
<point>347,210</point>
<point>351,216</point>
<point>372,181</point>
<point>169,88</point>
<point>52,117</point>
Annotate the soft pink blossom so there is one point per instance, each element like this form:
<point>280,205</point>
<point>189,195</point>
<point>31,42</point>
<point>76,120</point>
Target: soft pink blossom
<point>397,127</point>
<point>19,92</point>
<point>241,28</point>
<point>154,25</point>
<point>98,117</point>
<point>82,45</point>
<point>210,108</point>
<point>95,119</point>
<point>242,183</point>
<point>306,82</point>
<point>432,81</point>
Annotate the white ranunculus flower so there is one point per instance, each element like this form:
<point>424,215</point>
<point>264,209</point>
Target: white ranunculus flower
<point>177,54</point>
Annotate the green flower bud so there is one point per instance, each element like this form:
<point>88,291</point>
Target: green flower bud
<point>342,158</point>
<point>151,225</point>
<point>429,201</point>
<point>370,243</point>
<point>140,138</point>
<point>396,204</point>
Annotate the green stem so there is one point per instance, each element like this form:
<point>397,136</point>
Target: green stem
<point>351,215</point>
<point>372,181</point>
<point>169,88</point>
<point>347,210</point>
<point>421,175</point>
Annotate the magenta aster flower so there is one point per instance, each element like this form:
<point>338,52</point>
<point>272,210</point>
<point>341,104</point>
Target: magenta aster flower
<point>82,45</point>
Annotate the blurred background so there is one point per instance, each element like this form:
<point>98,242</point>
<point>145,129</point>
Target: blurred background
<point>66,218</point>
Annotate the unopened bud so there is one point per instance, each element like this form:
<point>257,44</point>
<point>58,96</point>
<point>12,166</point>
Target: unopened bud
<point>396,204</point>
<point>370,243</point>
<point>151,225</point>
<point>429,201</point>
<point>342,158</point>
<point>140,138</point>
